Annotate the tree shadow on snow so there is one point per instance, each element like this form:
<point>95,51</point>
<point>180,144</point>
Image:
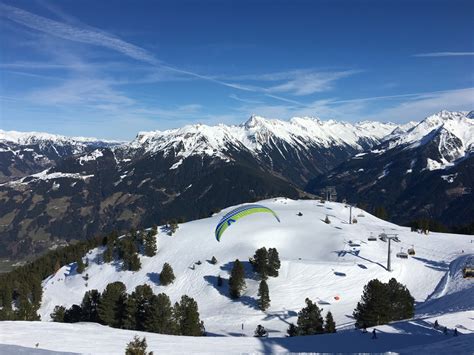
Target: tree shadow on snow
<point>249,273</point>
<point>224,291</point>
<point>154,277</point>
<point>432,264</point>
<point>281,315</point>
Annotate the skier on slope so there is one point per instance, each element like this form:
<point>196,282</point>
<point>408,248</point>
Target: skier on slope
<point>374,334</point>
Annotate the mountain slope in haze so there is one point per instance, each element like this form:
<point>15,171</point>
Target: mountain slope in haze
<point>426,172</point>
<point>318,260</point>
<point>25,153</point>
<point>154,177</point>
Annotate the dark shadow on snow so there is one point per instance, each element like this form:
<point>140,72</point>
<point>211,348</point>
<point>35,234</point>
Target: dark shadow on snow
<point>154,277</point>
<point>224,291</point>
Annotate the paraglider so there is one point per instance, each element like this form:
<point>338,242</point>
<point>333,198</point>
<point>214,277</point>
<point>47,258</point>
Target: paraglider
<point>238,213</point>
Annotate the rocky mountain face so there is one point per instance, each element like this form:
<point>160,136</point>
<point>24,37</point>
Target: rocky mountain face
<point>426,172</point>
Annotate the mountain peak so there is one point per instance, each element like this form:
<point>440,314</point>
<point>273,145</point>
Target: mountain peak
<point>255,121</point>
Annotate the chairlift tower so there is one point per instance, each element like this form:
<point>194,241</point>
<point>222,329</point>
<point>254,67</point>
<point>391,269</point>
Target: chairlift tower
<point>390,237</point>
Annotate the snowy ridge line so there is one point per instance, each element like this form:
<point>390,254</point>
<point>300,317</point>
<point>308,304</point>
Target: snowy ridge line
<point>35,137</point>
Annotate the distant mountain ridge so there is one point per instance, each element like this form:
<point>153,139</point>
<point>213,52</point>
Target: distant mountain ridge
<point>426,172</point>
<point>88,187</point>
<point>25,153</point>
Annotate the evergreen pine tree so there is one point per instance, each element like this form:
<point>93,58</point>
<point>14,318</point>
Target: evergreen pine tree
<point>373,309</point>
<point>260,262</point>
<point>382,303</point>
<point>80,266</point>
<point>57,266</point>
<point>310,321</point>
<point>108,252</point>
<point>401,301</point>
<point>150,243</point>
<point>112,304</point>
<point>274,263</point>
<point>73,314</point>
<point>58,314</point>
<point>137,347</point>
<point>160,319</point>
<point>329,325</point>
<point>167,275</point>
<point>292,330</point>
<point>213,260</point>
<point>381,213</point>
<point>129,314</point>
<point>142,296</point>
<point>89,306</point>
<point>186,316</point>
<point>264,297</point>
<point>326,220</point>
<point>237,279</point>
<point>134,263</point>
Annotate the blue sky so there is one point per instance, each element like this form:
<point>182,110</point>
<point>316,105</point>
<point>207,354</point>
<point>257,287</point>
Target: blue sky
<point>113,68</point>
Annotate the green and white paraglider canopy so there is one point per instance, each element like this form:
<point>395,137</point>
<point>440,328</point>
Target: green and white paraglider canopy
<point>237,214</point>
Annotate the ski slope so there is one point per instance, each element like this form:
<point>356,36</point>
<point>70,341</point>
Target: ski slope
<point>409,337</point>
<point>317,262</point>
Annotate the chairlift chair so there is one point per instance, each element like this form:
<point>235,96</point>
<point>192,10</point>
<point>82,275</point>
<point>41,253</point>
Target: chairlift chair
<point>468,271</point>
<point>372,238</point>
<point>402,254</point>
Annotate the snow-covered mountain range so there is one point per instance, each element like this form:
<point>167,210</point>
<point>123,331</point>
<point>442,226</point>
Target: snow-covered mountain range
<point>54,184</point>
<point>24,153</point>
<point>426,171</point>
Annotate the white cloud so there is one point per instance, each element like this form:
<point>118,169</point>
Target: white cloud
<point>298,82</point>
<point>444,54</point>
<point>425,104</point>
<point>85,91</point>
<point>310,82</point>
<point>414,106</point>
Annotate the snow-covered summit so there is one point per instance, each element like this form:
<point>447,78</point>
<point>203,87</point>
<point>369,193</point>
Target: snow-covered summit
<point>27,138</point>
<point>453,132</point>
<point>259,132</point>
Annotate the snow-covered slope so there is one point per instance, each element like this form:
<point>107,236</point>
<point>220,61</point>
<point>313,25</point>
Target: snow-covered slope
<point>408,337</point>
<point>318,261</point>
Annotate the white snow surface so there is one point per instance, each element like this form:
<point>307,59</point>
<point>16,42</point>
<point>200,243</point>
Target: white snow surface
<point>317,261</point>
<point>91,156</point>
<point>409,337</point>
<point>47,175</point>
